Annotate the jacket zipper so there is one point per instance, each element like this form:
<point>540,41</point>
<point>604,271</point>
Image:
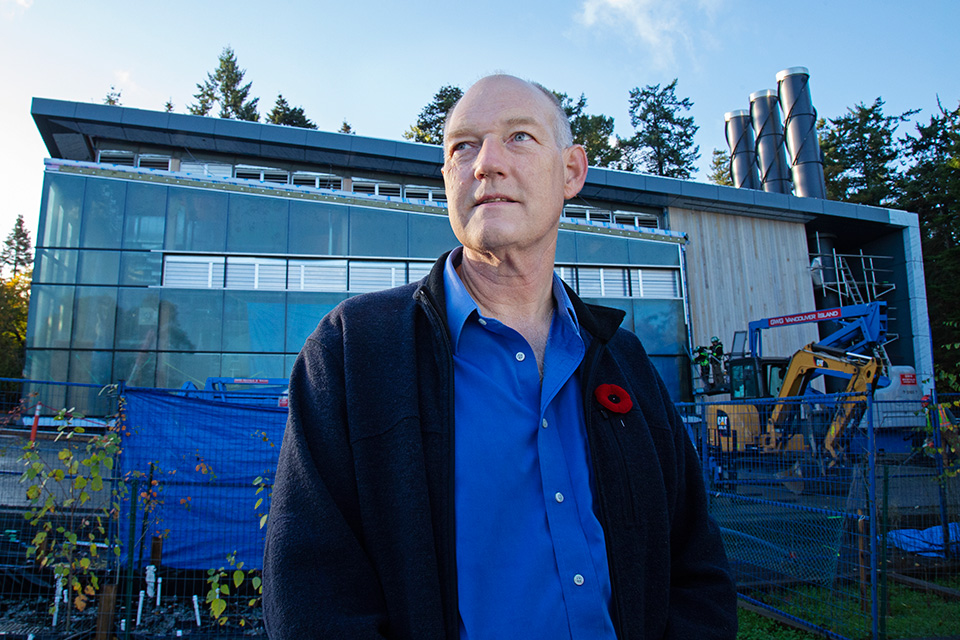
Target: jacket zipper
<point>453,606</point>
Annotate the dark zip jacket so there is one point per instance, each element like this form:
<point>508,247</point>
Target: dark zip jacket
<point>360,538</point>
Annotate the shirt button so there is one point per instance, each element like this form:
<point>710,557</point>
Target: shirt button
<point>578,579</point>
<point>558,496</point>
<point>520,356</point>
<point>482,321</point>
<point>544,423</point>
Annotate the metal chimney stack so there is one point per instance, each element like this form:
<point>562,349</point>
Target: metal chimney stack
<point>743,150</point>
<point>800,122</point>
<point>765,113</point>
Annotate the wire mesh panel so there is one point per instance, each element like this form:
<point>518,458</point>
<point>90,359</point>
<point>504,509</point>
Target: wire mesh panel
<point>203,470</point>
<point>835,510</point>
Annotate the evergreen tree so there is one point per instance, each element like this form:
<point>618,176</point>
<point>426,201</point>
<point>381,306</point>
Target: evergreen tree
<point>14,304</point>
<point>17,253</point>
<point>931,189</point>
<point>594,132</point>
<point>346,128</point>
<point>663,142</point>
<point>720,169</point>
<point>860,152</point>
<point>224,87</point>
<point>168,106</point>
<point>283,113</point>
<point>429,125</point>
<point>113,97</point>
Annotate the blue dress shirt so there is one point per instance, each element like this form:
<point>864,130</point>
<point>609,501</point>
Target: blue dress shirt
<point>531,560</point>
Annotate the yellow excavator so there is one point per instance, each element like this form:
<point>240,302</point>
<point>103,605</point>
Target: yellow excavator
<point>766,427</point>
<point>772,410</point>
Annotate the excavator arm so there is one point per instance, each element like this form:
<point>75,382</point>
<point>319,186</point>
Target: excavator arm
<point>808,363</point>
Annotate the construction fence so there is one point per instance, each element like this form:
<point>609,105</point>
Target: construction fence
<point>846,521</point>
<point>144,518</point>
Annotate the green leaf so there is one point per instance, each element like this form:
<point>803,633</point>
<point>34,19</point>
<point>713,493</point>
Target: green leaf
<point>217,607</point>
<point>79,482</point>
<point>84,563</point>
<point>263,520</point>
<point>33,492</point>
<point>96,483</point>
<point>259,502</point>
<point>64,454</point>
<point>256,582</point>
<point>238,578</point>
<point>108,463</point>
<point>225,589</point>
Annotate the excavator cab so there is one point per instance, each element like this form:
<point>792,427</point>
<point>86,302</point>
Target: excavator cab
<point>752,378</point>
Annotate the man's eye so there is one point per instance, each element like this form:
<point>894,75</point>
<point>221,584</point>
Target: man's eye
<point>521,136</point>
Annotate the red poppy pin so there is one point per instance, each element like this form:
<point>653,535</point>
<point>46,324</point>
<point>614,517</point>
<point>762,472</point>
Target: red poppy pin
<point>613,398</point>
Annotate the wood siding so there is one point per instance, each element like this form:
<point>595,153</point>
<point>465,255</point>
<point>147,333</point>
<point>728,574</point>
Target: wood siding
<point>743,268</point>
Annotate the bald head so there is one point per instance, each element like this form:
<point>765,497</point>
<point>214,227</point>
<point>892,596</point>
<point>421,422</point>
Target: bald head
<point>562,134</point>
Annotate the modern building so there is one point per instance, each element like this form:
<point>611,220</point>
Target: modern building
<point>174,247</point>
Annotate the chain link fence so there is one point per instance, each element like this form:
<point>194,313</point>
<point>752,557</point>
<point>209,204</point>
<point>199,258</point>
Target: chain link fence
<point>850,531</point>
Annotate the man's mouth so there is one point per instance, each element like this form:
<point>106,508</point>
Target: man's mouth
<point>489,199</point>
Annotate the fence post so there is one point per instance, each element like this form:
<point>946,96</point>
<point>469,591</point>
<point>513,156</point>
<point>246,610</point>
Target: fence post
<point>872,511</point>
<point>131,540</point>
<point>933,411</point>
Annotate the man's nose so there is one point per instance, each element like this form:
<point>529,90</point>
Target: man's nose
<point>491,159</point>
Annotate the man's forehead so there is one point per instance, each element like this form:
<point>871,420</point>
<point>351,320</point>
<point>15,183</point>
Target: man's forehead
<point>501,100</point>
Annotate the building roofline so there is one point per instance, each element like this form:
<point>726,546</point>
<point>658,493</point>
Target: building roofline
<point>67,129</point>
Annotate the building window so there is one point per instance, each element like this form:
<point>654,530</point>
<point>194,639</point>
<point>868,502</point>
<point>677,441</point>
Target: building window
<point>376,276</point>
<point>621,282</point>
<point>261,174</point>
<point>256,273</point>
<point>122,158</point>
<point>317,180</point>
<point>317,275</point>
<point>193,272</point>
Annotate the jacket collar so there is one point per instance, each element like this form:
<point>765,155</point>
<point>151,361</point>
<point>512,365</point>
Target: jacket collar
<point>600,322</point>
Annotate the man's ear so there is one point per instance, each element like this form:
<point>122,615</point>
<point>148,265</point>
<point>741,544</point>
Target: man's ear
<point>575,168</point>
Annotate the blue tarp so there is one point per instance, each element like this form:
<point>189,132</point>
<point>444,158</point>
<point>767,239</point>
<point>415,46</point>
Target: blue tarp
<point>205,456</point>
<point>926,542</point>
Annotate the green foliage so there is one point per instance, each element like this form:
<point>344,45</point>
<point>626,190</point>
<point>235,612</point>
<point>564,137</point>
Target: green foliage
<point>720,169</point>
<point>72,522</point>
<point>224,87</point>
<point>429,125</point>
<point>17,252</point>
<point>225,589</point>
<point>594,132</point>
<point>346,128</point>
<point>283,113</point>
<point>932,191</point>
<point>860,151</point>
<point>113,97</point>
<point>168,106</point>
<point>663,142</point>
<point>754,626</point>
<point>14,305</point>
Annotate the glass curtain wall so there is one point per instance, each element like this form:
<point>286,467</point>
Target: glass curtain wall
<point>162,284</point>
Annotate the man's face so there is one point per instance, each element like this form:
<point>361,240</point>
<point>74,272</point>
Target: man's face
<point>506,176</point>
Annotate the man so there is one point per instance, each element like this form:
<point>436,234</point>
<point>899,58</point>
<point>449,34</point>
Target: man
<point>716,362</point>
<point>482,455</point>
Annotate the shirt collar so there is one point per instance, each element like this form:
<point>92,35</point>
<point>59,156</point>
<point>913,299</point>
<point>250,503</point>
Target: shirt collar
<point>460,306</point>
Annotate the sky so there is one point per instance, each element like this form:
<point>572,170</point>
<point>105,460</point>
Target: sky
<point>376,64</point>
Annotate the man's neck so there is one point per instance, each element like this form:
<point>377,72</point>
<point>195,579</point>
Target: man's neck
<point>518,293</point>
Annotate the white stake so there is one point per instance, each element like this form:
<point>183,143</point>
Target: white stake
<point>151,579</point>
<point>196,609</point>
<point>140,608</point>
<point>56,599</point>
<point>159,588</point>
